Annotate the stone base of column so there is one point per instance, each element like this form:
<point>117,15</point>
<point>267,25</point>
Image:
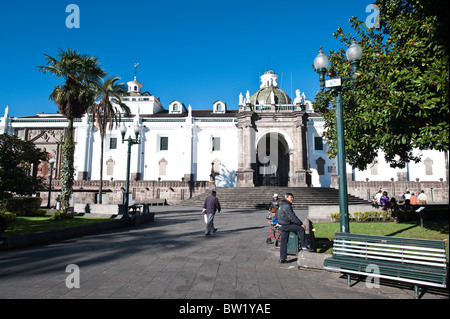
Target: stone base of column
<point>83,176</point>
<point>245,178</point>
<point>135,176</point>
<point>302,178</point>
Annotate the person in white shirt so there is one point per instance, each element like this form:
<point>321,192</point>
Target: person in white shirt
<point>422,198</point>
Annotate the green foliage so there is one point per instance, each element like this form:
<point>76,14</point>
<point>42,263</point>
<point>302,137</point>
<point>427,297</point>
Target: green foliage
<point>8,216</point>
<point>59,215</point>
<point>105,113</point>
<point>22,204</point>
<point>16,159</point>
<point>370,216</point>
<point>401,99</point>
<point>80,73</point>
<point>67,171</point>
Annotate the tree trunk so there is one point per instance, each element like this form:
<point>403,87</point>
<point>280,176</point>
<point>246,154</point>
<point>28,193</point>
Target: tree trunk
<point>100,191</point>
<point>67,169</point>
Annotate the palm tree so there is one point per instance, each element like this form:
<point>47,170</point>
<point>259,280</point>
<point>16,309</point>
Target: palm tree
<point>106,112</point>
<point>73,98</point>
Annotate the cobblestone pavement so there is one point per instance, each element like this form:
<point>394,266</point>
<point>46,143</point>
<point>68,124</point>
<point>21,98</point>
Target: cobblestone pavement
<point>172,259</point>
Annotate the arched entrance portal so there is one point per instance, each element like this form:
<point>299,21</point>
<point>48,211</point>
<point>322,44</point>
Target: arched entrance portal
<point>272,161</point>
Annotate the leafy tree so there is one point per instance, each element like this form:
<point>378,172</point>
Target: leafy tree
<point>106,112</point>
<point>73,98</point>
<point>401,101</point>
<point>16,159</point>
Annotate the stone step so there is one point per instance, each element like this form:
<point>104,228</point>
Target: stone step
<point>260,197</point>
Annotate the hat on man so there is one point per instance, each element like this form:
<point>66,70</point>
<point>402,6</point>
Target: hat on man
<point>275,195</point>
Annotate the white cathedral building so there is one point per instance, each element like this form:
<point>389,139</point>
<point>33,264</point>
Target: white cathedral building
<point>267,140</point>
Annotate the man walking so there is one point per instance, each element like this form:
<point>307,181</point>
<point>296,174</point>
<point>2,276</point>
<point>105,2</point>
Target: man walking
<point>289,223</point>
<point>211,206</point>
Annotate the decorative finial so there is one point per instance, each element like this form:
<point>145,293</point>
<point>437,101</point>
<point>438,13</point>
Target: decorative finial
<point>135,69</point>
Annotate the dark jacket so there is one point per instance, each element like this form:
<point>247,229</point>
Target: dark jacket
<point>274,203</point>
<point>211,205</point>
<point>285,215</point>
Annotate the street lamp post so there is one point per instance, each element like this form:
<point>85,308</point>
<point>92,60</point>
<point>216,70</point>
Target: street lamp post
<point>354,55</point>
<point>52,163</point>
<point>131,141</point>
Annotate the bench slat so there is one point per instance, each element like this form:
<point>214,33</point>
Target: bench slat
<point>420,248</point>
<point>392,240</point>
<point>406,250</point>
<point>393,259</point>
<point>408,254</point>
<point>401,255</point>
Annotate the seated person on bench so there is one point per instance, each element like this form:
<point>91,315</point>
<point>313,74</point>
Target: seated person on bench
<point>289,222</point>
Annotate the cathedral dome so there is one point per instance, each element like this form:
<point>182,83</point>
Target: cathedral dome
<point>262,97</point>
<point>268,85</point>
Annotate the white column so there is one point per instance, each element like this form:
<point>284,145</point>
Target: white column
<point>83,148</point>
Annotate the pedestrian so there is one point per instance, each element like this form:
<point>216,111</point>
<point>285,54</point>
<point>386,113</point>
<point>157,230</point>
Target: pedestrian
<point>289,222</point>
<point>422,198</point>
<point>413,199</point>
<point>210,207</point>
<point>407,195</point>
<point>275,203</point>
<point>384,200</point>
<point>273,206</point>
<point>378,197</point>
<point>393,204</point>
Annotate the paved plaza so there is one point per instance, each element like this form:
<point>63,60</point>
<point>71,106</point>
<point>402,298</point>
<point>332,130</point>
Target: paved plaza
<point>172,259</point>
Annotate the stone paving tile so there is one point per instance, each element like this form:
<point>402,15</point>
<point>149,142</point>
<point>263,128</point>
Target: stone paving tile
<point>171,259</point>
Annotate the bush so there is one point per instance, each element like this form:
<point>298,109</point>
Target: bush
<point>9,217</point>
<point>24,205</point>
<point>59,215</point>
<point>370,216</point>
<point>33,213</point>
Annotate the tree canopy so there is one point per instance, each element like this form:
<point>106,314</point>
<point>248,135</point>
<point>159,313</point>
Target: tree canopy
<point>16,158</point>
<point>401,101</point>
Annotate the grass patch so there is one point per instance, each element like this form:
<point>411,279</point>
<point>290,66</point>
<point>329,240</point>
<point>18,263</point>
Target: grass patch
<point>434,230</point>
<point>26,225</point>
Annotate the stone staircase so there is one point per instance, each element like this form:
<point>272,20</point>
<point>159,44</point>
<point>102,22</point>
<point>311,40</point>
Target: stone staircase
<point>260,197</point>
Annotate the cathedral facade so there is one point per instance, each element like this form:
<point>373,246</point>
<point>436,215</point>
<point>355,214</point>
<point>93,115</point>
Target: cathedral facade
<point>268,140</point>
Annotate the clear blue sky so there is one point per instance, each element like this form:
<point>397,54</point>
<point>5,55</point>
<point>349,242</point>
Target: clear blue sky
<point>193,51</point>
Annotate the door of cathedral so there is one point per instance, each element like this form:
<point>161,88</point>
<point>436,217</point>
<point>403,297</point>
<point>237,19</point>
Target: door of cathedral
<point>272,161</point>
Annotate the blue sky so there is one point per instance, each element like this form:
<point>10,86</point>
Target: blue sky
<point>194,51</point>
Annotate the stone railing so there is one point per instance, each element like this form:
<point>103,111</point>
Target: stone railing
<point>140,191</point>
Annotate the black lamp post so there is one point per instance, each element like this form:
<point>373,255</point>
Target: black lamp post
<point>354,55</point>
<point>131,141</point>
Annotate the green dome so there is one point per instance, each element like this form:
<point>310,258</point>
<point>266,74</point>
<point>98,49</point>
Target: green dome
<point>262,97</point>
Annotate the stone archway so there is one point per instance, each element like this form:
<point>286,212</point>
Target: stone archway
<point>272,160</point>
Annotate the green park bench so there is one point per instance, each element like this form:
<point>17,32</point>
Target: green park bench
<point>419,262</point>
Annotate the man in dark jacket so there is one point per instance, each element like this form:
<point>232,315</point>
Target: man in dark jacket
<point>289,223</point>
<point>210,207</point>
